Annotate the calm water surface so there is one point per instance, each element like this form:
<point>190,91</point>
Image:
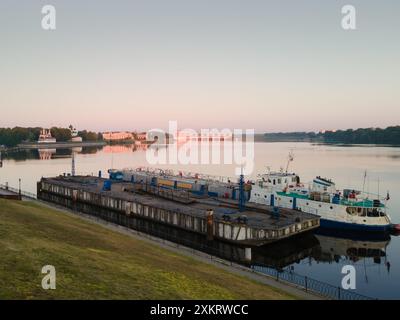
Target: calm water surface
<point>377,261</point>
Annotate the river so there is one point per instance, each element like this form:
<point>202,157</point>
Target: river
<point>377,261</point>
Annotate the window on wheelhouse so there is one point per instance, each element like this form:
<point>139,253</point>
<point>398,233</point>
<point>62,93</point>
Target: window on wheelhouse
<point>352,211</point>
<point>365,212</point>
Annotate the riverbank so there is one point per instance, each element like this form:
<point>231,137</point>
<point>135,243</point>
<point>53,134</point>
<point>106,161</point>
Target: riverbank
<point>93,262</point>
<point>60,145</point>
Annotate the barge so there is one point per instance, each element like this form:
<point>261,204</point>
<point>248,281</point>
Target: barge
<point>128,203</point>
<point>340,210</point>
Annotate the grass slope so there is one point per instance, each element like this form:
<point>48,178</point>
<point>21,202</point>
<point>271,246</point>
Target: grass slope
<point>93,262</point>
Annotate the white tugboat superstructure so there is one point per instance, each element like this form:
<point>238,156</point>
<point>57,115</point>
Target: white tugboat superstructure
<point>339,209</point>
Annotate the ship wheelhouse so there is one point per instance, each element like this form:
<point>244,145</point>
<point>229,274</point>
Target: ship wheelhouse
<point>278,180</point>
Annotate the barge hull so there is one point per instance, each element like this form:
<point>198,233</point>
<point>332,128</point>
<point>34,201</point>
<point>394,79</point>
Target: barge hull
<point>85,194</point>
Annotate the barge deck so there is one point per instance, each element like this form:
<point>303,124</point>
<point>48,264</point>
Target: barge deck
<point>124,203</point>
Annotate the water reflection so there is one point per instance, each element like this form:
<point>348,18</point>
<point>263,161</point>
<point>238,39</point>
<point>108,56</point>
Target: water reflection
<point>336,249</point>
<point>321,248</point>
<point>306,248</point>
<point>46,154</point>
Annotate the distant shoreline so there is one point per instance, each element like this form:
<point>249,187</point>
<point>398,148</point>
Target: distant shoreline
<point>35,145</point>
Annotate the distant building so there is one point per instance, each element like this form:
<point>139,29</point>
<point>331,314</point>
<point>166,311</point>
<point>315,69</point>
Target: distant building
<point>212,135</point>
<point>114,136</point>
<point>141,136</point>
<point>74,134</point>
<point>45,137</point>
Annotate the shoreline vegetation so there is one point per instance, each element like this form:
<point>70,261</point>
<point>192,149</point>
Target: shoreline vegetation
<point>377,136</point>
<point>27,137</point>
<point>13,137</point>
<point>93,262</point>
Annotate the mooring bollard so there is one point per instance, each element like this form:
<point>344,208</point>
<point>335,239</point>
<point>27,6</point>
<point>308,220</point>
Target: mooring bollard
<point>247,254</point>
<point>210,224</point>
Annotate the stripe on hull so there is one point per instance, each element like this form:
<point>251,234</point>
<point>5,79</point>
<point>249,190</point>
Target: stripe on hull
<point>353,226</point>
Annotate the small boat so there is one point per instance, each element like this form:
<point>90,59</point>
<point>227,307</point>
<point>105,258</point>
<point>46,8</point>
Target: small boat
<point>396,228</point>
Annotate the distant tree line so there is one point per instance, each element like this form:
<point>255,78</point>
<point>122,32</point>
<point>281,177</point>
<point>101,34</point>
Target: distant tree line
<point>291,136</point>
<point>61,134</point>
<point>390,135</point>
<point>11,137</point>
<point>90,136</point>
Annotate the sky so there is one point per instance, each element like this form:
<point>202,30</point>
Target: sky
<point>134,65</point>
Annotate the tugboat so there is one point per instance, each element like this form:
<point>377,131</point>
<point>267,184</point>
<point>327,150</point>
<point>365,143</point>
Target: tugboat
<point>346,209</point>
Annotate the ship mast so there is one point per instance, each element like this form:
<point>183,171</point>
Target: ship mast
<point>290,158</point>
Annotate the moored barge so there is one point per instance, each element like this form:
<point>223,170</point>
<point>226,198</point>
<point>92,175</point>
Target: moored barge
<point>125,203</point>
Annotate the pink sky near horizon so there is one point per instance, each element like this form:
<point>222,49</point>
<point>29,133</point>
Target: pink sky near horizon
<point>263,65</point>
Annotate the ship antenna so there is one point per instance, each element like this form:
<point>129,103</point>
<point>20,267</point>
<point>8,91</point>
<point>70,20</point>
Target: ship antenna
<point>378,187</point>
<point>365,176</point>
<point>290,158</point>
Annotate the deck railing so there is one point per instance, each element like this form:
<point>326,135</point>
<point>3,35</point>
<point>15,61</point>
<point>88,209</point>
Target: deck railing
<point>25,194</point>
<point>310,285</point>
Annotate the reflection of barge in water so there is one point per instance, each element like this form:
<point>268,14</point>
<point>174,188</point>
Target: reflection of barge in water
<point>334,249</point>
<point>122,201</point>
<point>322,248</point>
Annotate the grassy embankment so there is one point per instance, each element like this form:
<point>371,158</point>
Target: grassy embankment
<point>93,262</point>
